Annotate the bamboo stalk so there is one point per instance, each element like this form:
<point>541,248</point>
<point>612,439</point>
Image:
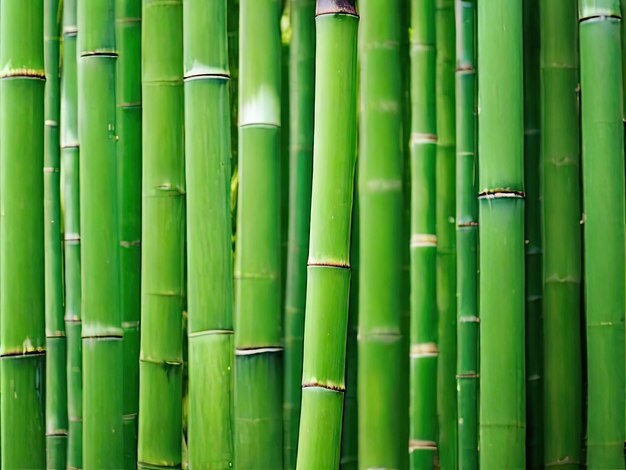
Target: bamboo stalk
<point>603,201</point>
<point>22,305</point>
<point>163,236</point>
<point>102,320</point>
<point>258,356</point>
<point>560,190</point>
<point>71,223</point>
<point>501,237</point>
<point>209,255</point>
<point>467,234</point>
<point>424,350</point>
<point>301,89</point>
<point>56,343</point>
<point>380,345</point>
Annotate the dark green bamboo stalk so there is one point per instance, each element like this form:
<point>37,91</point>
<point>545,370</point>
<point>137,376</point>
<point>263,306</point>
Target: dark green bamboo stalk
<point>446,232</point>
<point>22,307</point>
<point>603,201</point>
<point>56,344</point>
<point>102,320</point>
<point>128,36</point>
<point>209,254</point>
<point>380,346</point>
<point>560,190</point>
<point>301,89</point>
<point>328,287</point>
<point>258,360</point>
<point>467,235</point>
<point>71,224</point>
<point>424,351</point>
<point>501,236</point>
<point>163,236</point>
<point>533,242</point>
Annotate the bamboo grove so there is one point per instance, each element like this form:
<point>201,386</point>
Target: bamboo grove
<point>312,234</point>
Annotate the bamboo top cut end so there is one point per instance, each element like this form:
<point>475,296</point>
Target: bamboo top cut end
<point>334,7</point>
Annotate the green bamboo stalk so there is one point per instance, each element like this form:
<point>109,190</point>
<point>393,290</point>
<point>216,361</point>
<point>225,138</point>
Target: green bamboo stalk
<point>102,320</point>
<point>380,346</point>
<point>209,254</point>
<point>501,236</point>
<point>163,236</point>
<point>56,344</point>
<point>301,89</point>
<point>328,287</point>
<point>446,232</point>
<point>22,307</point>
<point>424,351</point>
<point>560,190</point>
<point>603,201</point>
<point>532,224</point>
<point>258,360</point>
<point>71,223</point>
<point>467,235</point>
<point>128,37</point>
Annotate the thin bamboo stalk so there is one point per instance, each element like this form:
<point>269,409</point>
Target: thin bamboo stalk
<point>163,236</point>
<point>424,351</point>
<point>603,201</point>
<point>22,305</point>
<point>209,254</point>
<point>258,302</point>
<point>560,196</point>
<point>56,343</point>
<point>380,345</point>
<point>102,320</point>
<point>467,234</point>
<point>301,89</point>
<point>501,217</point>
<point>128,37</point>
<point>328,288</point>
<point>71,223</point>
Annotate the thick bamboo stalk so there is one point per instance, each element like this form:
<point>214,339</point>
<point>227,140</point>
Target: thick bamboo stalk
<point>258,302</point>
<point>301,89</point>
<point>328,287</point>
<point>56,344</point>
<point>560,196</point>
<point>380,346</point>
<point>102,320</point>
<point>603,201</point>
<point>501,218</point>
<point>209,254</point>
<point>163,236</point>
<point>424,351</point>
<point>71,225</point>
<point>22,305</point>
<point>467,234</point>
<point>128,37</point>
<point>446,232</point>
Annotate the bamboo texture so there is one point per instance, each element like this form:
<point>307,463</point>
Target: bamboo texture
<point>301,98</point>
<point>163,236</point>
<point>424,350</point>
<point>328,271</point>
<point>258,342</point>
<point>380,345</point>
<point>22,304</point>
<point>603,202</point>
<point>467,235</point>
<point>56,343</point>
<point>71,223</point>
<point>209,256</point>
<point>560,196</point>
<point>501,218</point>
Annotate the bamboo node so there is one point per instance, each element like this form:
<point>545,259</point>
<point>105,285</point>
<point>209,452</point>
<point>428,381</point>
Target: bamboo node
<point>423,240</point>
<point>424,350</point>
<point>254,351</point>
<point>416,444</point>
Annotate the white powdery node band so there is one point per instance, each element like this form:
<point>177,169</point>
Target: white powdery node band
<point>262,108</point>
<point>423,240</point>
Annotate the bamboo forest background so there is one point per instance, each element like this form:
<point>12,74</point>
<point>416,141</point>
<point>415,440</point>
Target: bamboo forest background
<point>299,234</point>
